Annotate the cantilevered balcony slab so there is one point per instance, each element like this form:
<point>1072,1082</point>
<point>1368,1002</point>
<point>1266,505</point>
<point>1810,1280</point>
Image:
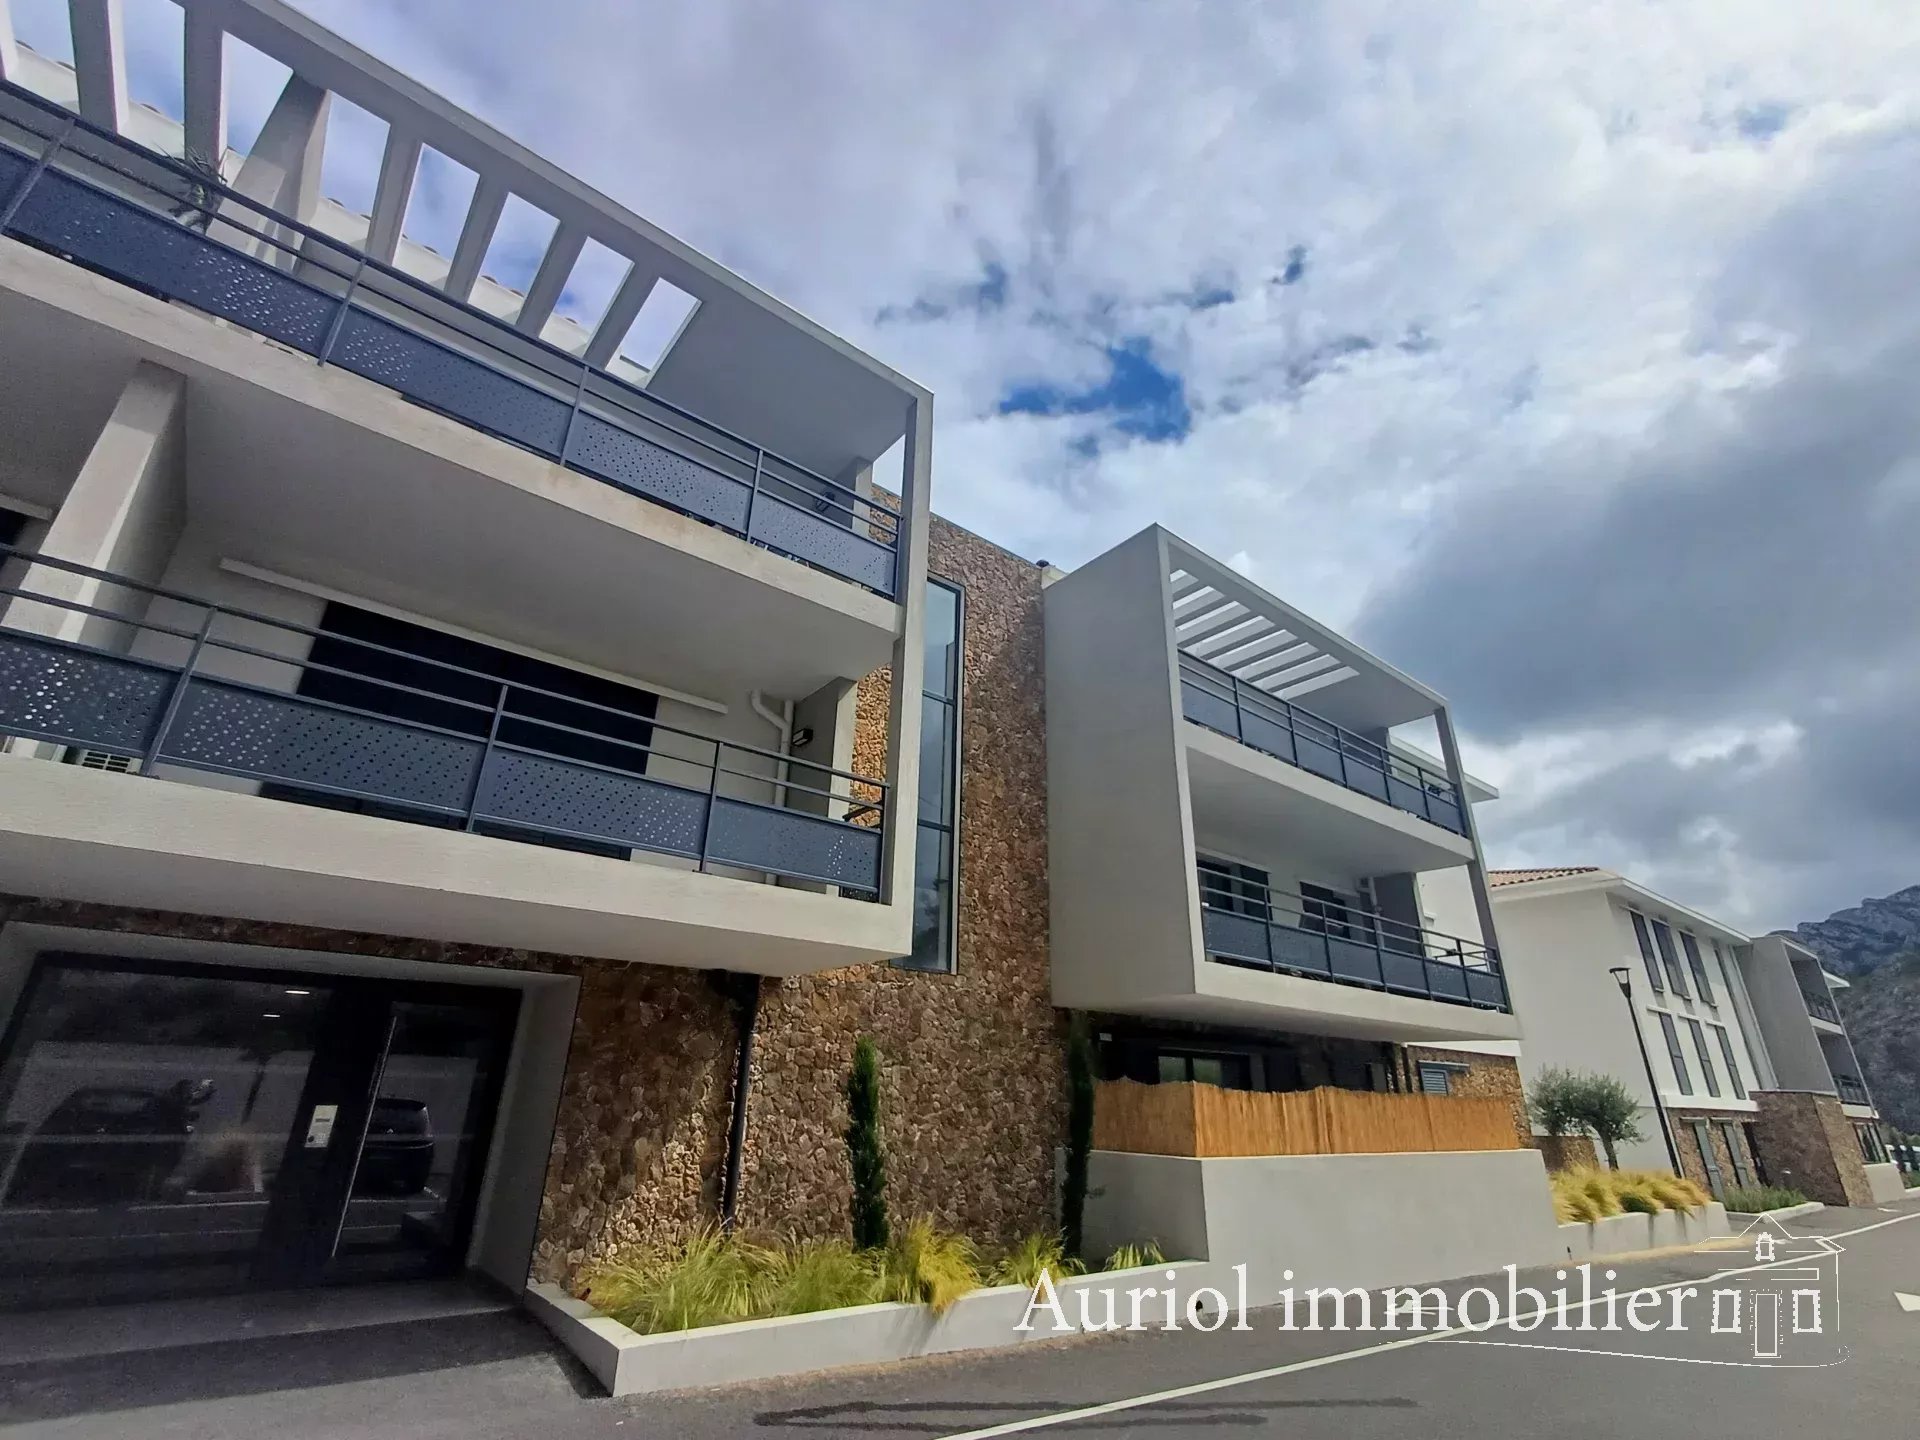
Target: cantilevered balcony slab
<point>72,833</point>
<point>1262,804</point>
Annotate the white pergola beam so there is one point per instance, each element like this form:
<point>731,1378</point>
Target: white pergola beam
<point>622,311</point>
<point>100,61</point>
<point>550,280</point>
<point>204,84</point>
<point>9,49</point>
<point>1281,681</point>
<point>399,165</point>
<point>476,234</point>
<point>1253,650</point>
<point>1279,660</point>
<point>1318,682</point>
<point>1235,635</point>
<point>1228,612</point>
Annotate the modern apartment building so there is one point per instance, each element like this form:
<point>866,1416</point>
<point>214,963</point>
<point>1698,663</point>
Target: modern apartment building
<point>469,769</point>
<point>1248,868</point>
<point>1732,1032</point>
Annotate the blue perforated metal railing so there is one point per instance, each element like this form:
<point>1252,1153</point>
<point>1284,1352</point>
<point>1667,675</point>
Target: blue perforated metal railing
<point>1221,701</point>
<point>161,226</point>
<point>499,765</point>
<point>1267,929</point>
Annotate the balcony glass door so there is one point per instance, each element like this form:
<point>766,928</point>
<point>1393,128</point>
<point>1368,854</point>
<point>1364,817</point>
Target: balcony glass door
<point>184,1129</point>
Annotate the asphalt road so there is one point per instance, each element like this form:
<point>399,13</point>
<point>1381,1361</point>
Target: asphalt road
<point>497,1378</point>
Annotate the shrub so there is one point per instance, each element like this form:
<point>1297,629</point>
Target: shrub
<point>1567,1102</point>
<point>1752,1199</point>
<point>1638,1200</point>
<point>707,1281</point>
<point>1135,1257</point>
<point>1598,1185</point>
<point>815,1275</point>
<point>925,1266</point>
<point>865,1152</point>
<point>1587,1194</point>
<point>1073,1193</point>
<point>1039,1251</point>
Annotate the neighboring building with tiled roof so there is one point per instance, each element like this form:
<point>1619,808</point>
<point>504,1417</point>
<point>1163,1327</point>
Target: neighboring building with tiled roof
<point>1520,877</point>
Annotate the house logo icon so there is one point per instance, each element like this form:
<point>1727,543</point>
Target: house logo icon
<point>1784,1311</point>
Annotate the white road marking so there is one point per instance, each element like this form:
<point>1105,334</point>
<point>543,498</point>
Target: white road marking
<point>1908,1303</point>
<point>1253,1377</point>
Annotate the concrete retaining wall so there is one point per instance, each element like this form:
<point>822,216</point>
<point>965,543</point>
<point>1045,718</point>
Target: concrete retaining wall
<point>1365,1220</point>
<point>631,1364</point>
<point>1885,1183</point>
<point>1625,1234</point>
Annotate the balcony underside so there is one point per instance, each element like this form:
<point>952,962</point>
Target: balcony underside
<point>317,473</point>
<point>1229,995</point>
<point>1253,804</point>
<point>77,834</point>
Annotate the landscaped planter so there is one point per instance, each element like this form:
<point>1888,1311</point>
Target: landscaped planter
<point>632,1364</point>
<point>1625,1234</point>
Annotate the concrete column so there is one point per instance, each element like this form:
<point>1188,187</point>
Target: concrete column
<point>282,171</point>
<point>909,659</point>
<point>123,513</point>
<point>1477,866</point>
<point>858,477</point>
<point>827,717</point>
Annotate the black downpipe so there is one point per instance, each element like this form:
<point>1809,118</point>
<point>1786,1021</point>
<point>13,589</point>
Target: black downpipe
<point>746,998</point>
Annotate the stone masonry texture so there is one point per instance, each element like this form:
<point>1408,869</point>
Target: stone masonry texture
<point>1807,1144</point>
<point>1731,1162</point>
<point>973,1063</point>
<point>1487,1077</point>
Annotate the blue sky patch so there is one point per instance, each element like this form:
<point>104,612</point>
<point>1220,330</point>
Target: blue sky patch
<point>1139,397</point>
<point>1763,121</point>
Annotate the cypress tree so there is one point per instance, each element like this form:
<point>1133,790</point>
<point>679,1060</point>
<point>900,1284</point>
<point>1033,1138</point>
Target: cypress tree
<point>865,1153</point>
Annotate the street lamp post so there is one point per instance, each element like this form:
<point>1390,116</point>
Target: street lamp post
<point>1623,977</point>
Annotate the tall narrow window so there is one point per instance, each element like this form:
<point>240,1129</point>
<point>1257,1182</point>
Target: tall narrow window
<point>1669,961</point>
<point>1680,1076</point>
<point>1698,966</point>
<point>1706,1060</point>
<point>1228,885</point>
<point>1726,1053</point>
<point>936,845</point>
<point>1647,957</point>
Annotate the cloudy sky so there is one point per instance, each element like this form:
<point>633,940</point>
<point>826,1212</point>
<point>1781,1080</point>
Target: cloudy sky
<point>1568,354</point>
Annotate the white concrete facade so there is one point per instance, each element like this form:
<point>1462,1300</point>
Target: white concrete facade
<point>185,453</point>
<point>1139,795</point>
<point>1567,933</point>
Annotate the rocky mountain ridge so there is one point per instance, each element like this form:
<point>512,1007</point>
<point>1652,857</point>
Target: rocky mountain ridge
<point>1876,945</point>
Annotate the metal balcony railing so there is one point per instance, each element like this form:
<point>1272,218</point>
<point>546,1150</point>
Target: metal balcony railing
<point>1211,697</point>
<point>1278,930</point>
<point>446,745</point>
<point>1821,1007</point>
<point>1852,1092</point>
<point>167,229</point>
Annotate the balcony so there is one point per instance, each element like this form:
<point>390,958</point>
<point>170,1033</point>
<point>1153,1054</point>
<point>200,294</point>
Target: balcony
<point>152,223</point>
<point>1821,1007</point>
<point>483,810</point>
<point>1852,1092</point>
<point>1229,706</point>
<point>1275,930</point>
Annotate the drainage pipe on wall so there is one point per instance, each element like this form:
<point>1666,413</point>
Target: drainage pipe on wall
<point>782,721</point>
<point>746,999</point>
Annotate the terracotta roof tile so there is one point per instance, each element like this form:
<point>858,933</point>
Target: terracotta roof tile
<point>1520,877</point>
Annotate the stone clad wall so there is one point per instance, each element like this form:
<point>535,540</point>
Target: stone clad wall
<point>1487,1077</point>
<point>974,1063</point>
<point>1691,1163</point>
<point>974,1067</point>
<point>1807,1144</point>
